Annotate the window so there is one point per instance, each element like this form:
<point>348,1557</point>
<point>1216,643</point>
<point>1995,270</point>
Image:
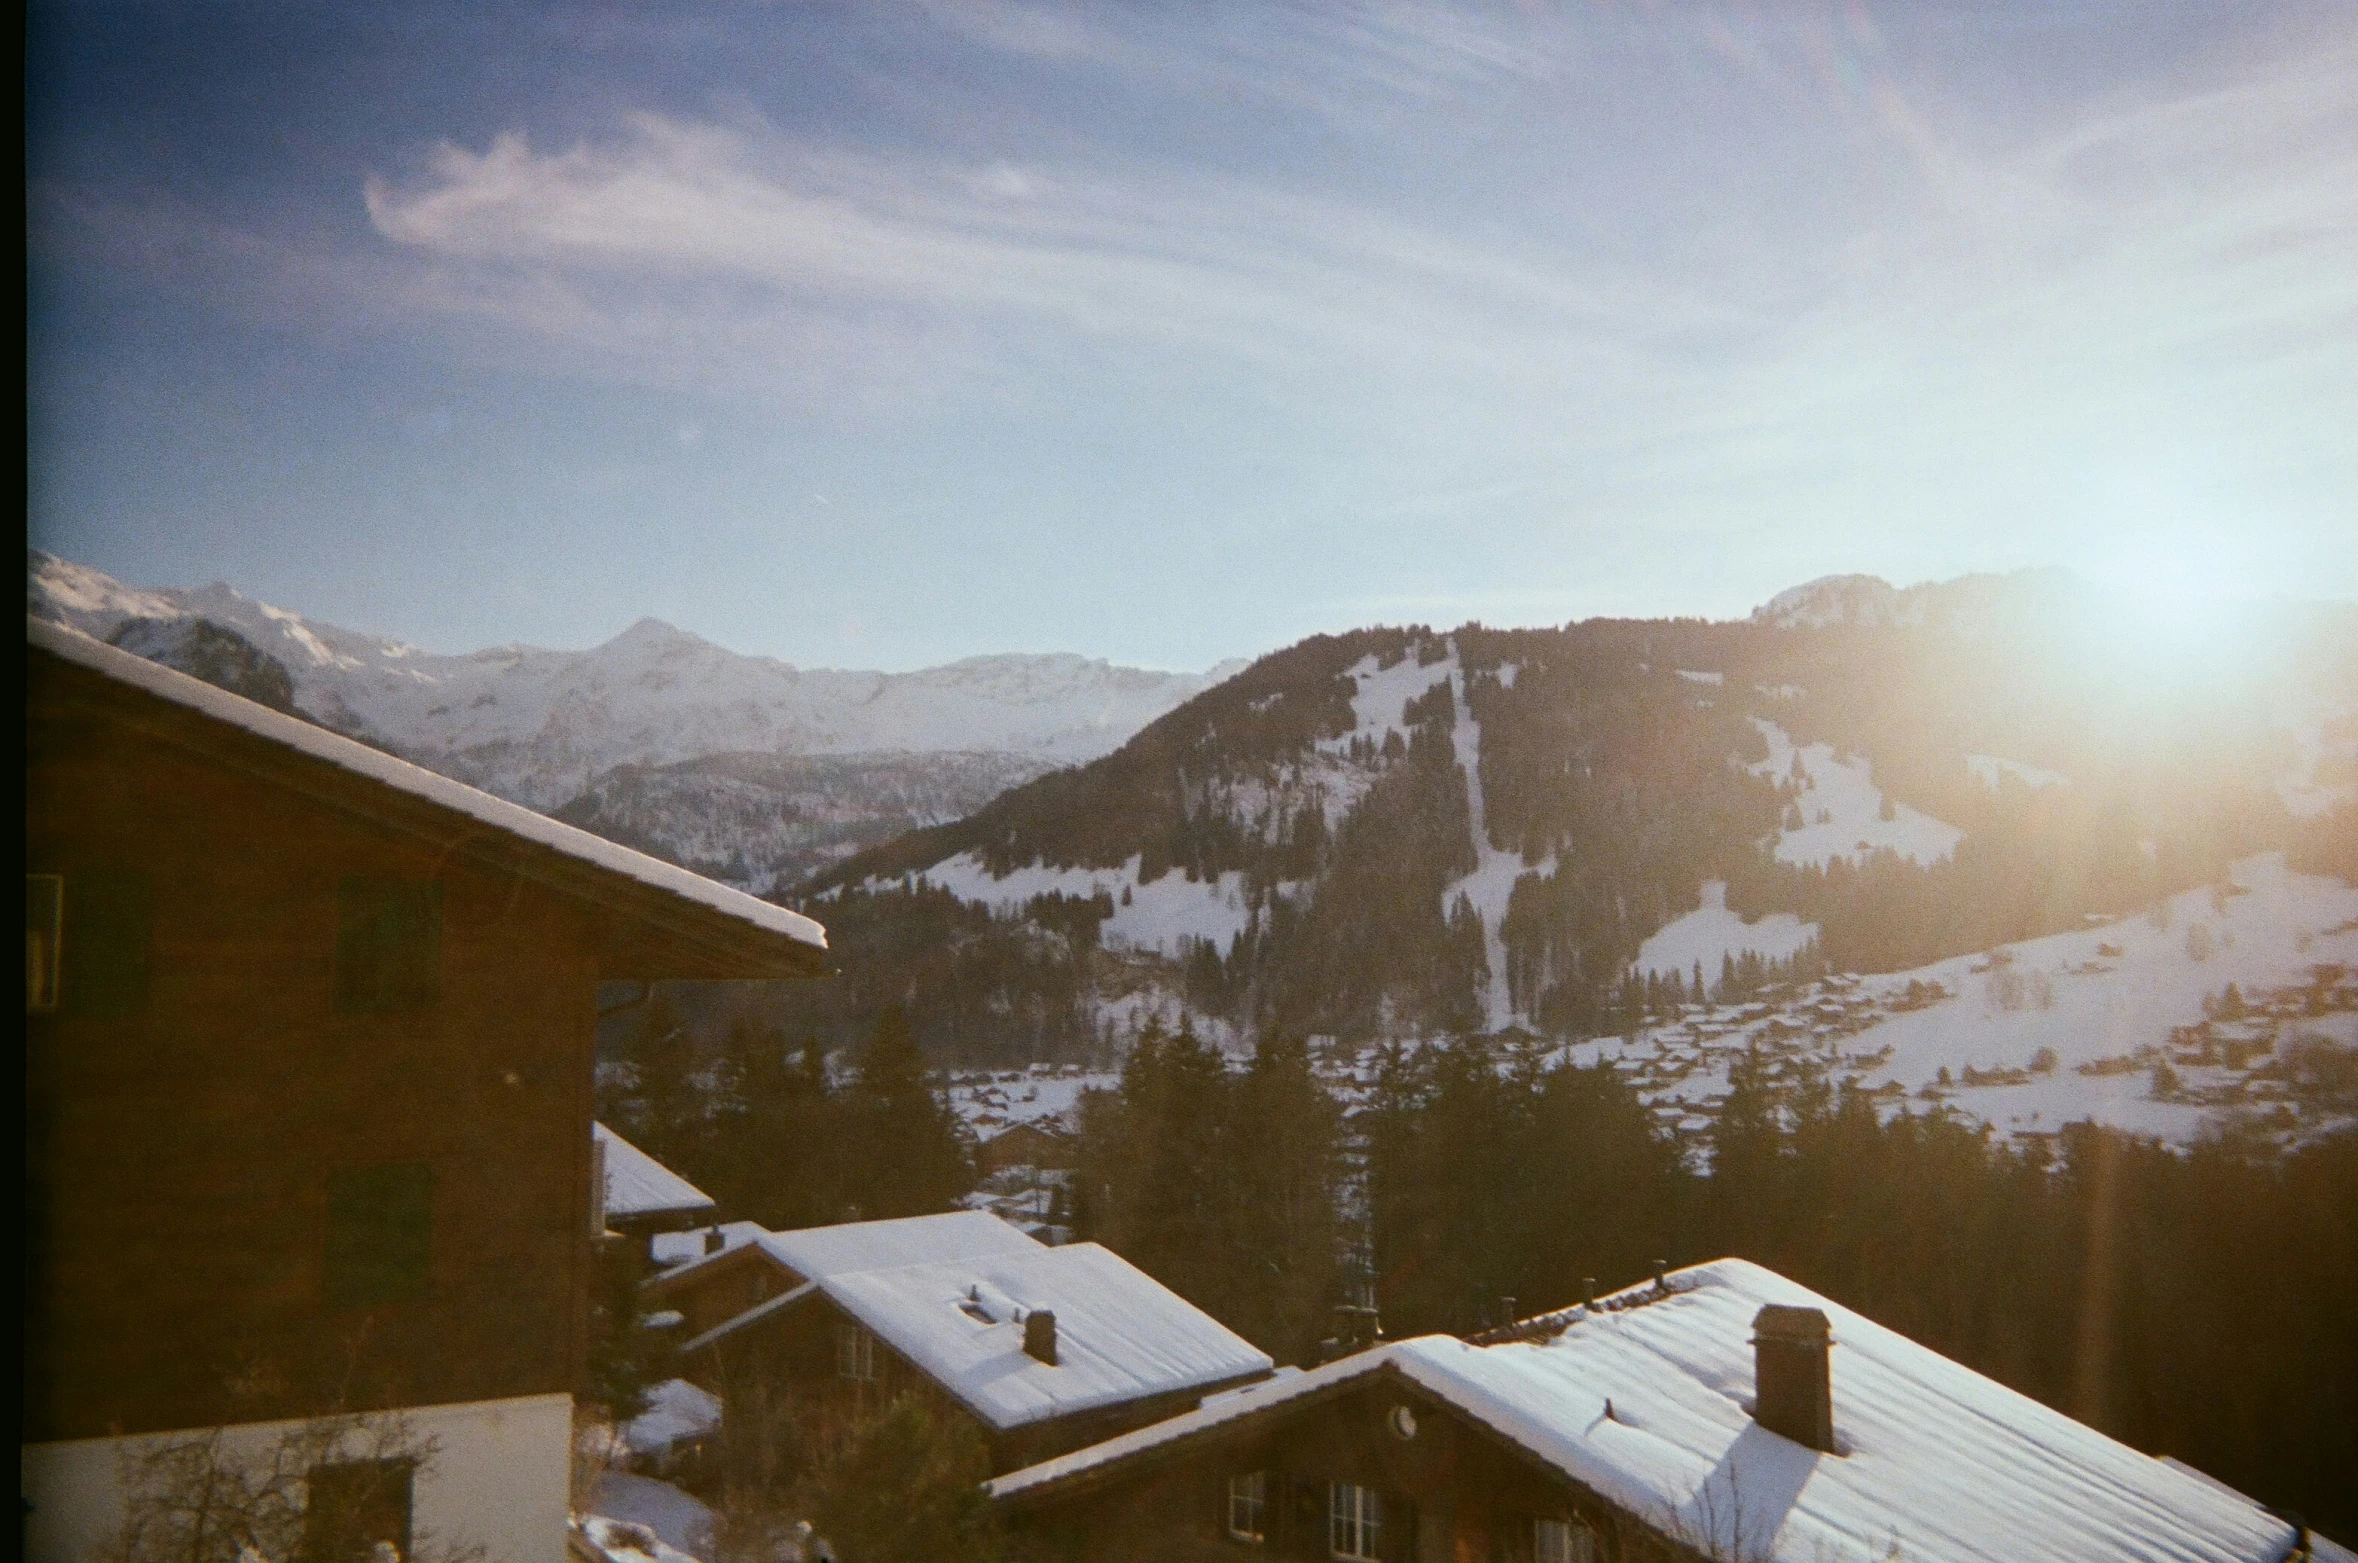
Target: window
<point>1563,1541</point>
<point>380,1230</point>
<point>1355,1521</point>
<point>388,945</point>
<point>352,1507</point>
<point>855,1354</point>
<point>1248,1505</point>
<point>86,938</point>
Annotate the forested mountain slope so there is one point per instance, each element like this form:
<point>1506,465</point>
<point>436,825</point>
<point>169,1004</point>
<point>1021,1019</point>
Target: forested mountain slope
<point>1404,831</point>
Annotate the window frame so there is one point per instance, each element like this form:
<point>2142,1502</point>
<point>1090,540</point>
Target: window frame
<point>1579,1541</point>
<point>397,1480</point>
<point>855,1352</point>
<point>388,945</point>
<point>1251,1490</point>
<point>1354,1522</point>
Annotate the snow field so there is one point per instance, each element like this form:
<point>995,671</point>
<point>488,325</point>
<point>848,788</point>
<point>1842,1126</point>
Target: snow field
<point>1158,914</point>
<point>1711,933</point>
<point>1841,809</point>
<point>2090,996</point>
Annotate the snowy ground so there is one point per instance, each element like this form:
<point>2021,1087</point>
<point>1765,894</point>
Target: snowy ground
<point>1711,932</point>
<point>1842,809</point>
<point>1493,880</point>
<point>2108,1003</point>
<point>1157,914</point>
<point>991,1102</point>
<point>678,1521</point>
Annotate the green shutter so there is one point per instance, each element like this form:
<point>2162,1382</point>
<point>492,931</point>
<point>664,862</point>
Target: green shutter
<point>388,945</point>
<point>380,1234</point>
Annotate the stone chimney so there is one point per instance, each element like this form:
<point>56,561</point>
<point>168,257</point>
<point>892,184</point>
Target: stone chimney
<point>1039,1335</point>
<point>1792,1383</point>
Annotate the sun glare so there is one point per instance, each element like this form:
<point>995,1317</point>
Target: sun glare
<point>2175,607</point>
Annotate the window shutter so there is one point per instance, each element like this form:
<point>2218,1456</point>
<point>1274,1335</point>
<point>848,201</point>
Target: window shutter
<point>388,945</point>
<point>102,948</point>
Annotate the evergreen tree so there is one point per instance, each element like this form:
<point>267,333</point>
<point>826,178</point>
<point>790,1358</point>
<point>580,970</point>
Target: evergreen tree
<point>1284,1178</point>
<point>904,1152</point>
<point>906,1487</point>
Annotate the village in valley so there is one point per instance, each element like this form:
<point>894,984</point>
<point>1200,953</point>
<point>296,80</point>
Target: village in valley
<point>1083,781</point>
<point>986,1379</point>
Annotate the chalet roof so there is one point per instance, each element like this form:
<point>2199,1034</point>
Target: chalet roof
<point>1938,1460</point>
<point>1121,1335</point>
<point>678,1251</point>
<point>639,1185</point>
<point>305,738</point>
<point>812,1252</point>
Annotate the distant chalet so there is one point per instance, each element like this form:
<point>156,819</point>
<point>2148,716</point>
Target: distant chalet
<point>1728,1414</point>
<point>309,1069</point>
<point>1042,1349</point>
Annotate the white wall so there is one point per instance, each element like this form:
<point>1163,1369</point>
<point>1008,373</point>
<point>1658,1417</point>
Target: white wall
<point>499,1481</point>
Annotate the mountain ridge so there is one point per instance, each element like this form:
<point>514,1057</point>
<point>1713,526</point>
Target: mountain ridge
<point>550,728</point>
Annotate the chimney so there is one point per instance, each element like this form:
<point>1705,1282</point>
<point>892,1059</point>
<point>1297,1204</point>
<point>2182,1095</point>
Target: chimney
<point>1039,1335</point>
<point>1792,1384</point>
<point>713,1241</point>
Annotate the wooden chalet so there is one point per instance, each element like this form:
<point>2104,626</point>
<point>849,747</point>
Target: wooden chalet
<point>642,1199</point>
<point>1043,1143</point>
<point>1723,1413</point>
<point>309,1070</point>
<point>1041,1349</point>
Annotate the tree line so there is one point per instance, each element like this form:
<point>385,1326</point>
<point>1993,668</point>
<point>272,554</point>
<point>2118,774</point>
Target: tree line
<point>2199,1303</point>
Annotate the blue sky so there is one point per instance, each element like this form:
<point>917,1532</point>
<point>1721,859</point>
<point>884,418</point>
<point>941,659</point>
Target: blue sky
<point>879,334</point>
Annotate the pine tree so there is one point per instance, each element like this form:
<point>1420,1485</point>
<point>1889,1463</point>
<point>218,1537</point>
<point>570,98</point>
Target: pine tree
<point>1284,1178</point>
<point>906,1487</point>
<point>905,1153</point>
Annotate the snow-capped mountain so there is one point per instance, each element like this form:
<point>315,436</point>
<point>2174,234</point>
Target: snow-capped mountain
<point>545,727</point>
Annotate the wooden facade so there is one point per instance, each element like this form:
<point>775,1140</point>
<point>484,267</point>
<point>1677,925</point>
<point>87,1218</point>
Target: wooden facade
<point>309,1104</point>
<point>812,1355</point>
<point>1445,1489</point>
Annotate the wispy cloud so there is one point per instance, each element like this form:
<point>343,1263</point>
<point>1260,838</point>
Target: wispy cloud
<point>668,211</point>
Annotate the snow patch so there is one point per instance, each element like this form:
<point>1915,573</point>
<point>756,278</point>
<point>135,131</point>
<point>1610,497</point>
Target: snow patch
<point>1156,915</point>
<point>1842,809</point>
<point>1693,677</point>
<point>1711,933</point>
<point>1492,882</point>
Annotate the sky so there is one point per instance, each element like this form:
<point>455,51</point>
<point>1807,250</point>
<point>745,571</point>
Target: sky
<point>880,334</point>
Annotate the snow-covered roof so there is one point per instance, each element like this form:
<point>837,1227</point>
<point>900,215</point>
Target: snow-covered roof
<point>1121,1335</point>
<point>816,1252</point>
<point>639,1185</point>
<point>811,1252</point>
<point>1938,1462</point>
<point>676,1251</point>
<point>348,754</point>
<point>677,1412</point>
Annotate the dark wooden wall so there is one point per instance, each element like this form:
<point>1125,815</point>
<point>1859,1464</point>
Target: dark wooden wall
<point>178,1155</point>
<point>1454,1491</point>
<point>791,1356</point>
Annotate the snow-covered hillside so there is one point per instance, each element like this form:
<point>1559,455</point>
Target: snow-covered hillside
<point>537,725</point>
<point>2108,1023</point>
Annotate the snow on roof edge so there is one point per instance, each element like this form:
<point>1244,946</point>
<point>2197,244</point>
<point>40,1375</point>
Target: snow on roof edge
<point>1225,1408</point>
<point>648,1186</point>
<point>754,1314</point>
<point>351,755</point>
